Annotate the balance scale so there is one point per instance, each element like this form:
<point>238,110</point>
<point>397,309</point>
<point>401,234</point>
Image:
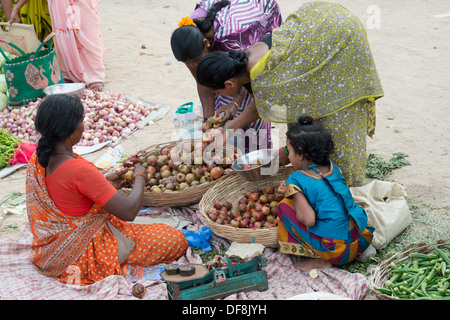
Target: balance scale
<point>218,282</point>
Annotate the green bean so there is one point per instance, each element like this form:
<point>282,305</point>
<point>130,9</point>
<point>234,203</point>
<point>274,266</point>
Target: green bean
<point>384,290</point>
<point>423,287</point>
<point>445,285</point>
<point>407,270</point>
<point>405,289</point>
<point>442,254</point>
<point>393,279</point>
<point>420,255</point>
<point>431,274</point>
<point>419,281</point>
<point>420,293</point>
<point>423,298</point>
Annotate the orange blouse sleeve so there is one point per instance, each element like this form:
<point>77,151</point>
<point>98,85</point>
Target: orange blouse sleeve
<point>93,184</point>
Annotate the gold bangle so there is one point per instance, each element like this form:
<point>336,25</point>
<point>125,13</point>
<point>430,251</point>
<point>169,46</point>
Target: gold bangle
<point>138,174</point>
<point>235,103</point>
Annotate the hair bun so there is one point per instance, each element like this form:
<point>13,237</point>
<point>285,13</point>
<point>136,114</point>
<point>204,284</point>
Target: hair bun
<point>239,57</point>
<point>240,60</point>
<point>305,120</point>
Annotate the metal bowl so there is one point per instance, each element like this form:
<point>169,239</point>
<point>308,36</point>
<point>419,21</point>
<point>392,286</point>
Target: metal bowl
<point>267,167</point>
<point>72,89</point>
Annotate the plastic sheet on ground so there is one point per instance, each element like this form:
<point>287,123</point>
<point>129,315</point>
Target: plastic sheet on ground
<point>20,280</point>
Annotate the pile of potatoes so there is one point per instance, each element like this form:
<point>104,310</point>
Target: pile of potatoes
<point>179,167</point>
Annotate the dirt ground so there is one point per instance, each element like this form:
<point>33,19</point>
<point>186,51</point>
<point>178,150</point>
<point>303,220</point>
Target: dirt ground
<point>411,50</point>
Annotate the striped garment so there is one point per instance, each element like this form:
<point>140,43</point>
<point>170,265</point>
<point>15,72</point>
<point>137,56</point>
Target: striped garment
<point>238,26</point>
<point>242,23</point>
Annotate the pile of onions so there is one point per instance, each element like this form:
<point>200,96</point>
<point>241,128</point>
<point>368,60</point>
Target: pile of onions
<point>107,117</point>
<point>20,121</point>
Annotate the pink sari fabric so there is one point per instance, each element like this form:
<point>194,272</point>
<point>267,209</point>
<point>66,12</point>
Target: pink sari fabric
<point>78,42</point>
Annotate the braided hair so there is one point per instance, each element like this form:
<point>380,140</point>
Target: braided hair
<point>187,41</point>
<point>217,67</point>
<point>311,140</point>
<point>57,118</point>
<point>205,24</point>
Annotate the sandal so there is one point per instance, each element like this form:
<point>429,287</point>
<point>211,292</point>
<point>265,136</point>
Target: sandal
<point>96,86</point>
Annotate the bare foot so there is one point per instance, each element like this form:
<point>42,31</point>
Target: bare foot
<point>306,264</point>
<point>96,86</point>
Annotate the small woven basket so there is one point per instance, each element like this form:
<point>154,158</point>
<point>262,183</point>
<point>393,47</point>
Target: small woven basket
<point>382,272</point>
<point>180,198</point>
<point>232,189</point>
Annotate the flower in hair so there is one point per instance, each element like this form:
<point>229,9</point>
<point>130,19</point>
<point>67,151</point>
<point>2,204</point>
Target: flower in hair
<point>186,21</point>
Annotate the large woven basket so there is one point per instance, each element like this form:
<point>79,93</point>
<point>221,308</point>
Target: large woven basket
<point>180,198</point>
<point>232,189</point>
<point>381,273</point>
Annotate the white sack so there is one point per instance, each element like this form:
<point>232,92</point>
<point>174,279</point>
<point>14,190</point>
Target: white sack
<point>386,208</point>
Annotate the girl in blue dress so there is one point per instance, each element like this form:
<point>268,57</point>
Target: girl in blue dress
<point>318,216</point>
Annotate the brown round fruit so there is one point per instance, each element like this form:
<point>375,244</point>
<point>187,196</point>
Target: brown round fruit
<point>269,190</point>
<point>216,172</point>
<point>138,290</point>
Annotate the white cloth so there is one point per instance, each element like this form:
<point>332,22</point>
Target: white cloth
<point>386,208</point>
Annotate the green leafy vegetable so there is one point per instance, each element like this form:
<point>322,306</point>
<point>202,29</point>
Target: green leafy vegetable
<point>8,144</point>
<point>378,169</point>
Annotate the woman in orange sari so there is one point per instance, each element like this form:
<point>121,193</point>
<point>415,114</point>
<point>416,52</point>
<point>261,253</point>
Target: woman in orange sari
<point>78,219</point>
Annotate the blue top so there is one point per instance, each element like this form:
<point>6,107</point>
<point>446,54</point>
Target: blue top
<point>331,200</point>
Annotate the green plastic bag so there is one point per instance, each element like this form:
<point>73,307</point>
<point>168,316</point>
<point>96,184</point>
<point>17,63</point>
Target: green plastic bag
<point>29,74</point>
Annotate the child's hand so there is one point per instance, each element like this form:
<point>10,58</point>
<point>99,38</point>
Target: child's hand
<point>281,189</point>
<point>283,157</point>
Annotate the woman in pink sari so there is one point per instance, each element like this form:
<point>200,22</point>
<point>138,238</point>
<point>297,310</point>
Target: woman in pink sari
<point>78,42</point>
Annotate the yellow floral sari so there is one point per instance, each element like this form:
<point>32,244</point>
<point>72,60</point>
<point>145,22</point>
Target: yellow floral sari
<point>321,64</point>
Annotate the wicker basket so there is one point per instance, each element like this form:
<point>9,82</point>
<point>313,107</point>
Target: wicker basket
<point>381,272</point>
<point>232,190</point>
<point>180,198</point>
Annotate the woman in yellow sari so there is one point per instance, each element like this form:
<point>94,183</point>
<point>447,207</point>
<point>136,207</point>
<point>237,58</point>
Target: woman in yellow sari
<point>318,63</point>
<point>35,13</point>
